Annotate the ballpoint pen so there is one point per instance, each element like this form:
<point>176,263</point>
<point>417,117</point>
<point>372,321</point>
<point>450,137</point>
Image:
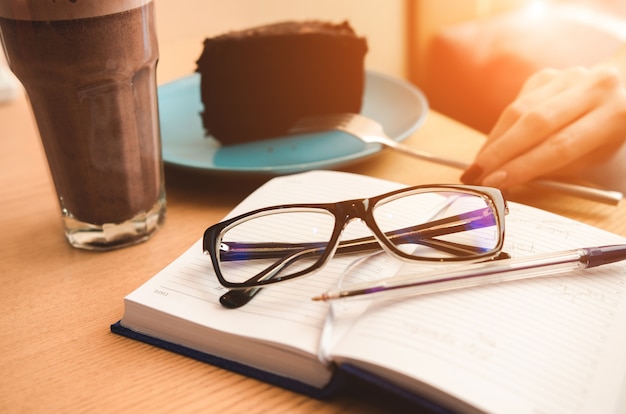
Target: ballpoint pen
<point>486,273</point>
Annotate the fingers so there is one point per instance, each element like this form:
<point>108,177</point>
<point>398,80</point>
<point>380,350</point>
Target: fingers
<point>557,120</point>
<point>538,88</point>
<point>584,138</point>
<point>523,125</point>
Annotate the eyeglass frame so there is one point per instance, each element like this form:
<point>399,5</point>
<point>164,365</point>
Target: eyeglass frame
<point>344,212</point>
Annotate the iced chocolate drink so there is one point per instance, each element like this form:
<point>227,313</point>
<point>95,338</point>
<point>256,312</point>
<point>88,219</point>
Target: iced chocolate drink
<point>89,69</point>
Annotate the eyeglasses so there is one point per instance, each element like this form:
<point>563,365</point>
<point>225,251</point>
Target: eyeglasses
<point>426,223</point>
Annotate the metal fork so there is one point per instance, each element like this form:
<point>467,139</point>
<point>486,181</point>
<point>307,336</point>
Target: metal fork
<point>370,132</point>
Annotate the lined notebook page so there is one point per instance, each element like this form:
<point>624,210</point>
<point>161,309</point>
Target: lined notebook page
<point>551,345</point>
<point>283,314</point>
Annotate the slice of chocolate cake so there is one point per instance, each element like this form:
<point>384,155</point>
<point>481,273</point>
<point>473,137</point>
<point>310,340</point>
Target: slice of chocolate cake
<point>256,83</point>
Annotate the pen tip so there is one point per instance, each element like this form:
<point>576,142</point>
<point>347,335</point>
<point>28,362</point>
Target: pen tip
<point>322,298</point>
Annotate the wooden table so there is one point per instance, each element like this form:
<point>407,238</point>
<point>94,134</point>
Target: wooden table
<point>57,302</point>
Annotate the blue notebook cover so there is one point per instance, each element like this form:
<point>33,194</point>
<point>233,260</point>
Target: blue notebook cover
<point>346,375</point>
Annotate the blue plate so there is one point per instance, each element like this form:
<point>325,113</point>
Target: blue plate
<point>397,105</point>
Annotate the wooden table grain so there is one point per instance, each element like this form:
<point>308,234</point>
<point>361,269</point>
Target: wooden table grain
<point>57,302</point>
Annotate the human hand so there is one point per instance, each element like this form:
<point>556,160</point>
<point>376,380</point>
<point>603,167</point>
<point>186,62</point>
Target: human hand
<point>562,123</point>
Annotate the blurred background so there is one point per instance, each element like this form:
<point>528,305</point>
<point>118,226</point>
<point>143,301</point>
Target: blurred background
<point>182,29</point>
<point>470,57</point>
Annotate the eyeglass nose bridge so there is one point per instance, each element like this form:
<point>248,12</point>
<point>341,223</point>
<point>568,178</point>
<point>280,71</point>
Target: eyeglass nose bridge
<point>352,209</point>
<point>349,210</point>
<point>346,212</point>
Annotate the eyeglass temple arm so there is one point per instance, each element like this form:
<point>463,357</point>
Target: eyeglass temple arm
<point>426,231</point>
<point>425,234</point>
<point>236,298</point>
<point>366,243</point>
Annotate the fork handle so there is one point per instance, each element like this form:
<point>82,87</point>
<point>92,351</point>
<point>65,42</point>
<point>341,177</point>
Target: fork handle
<point>424,155</point>
<point>589,193</point>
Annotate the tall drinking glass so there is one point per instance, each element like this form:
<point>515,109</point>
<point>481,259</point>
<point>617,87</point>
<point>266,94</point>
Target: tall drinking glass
<point>89,69</point>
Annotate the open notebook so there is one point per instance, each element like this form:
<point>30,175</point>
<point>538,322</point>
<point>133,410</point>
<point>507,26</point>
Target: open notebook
<point>548,345</point>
